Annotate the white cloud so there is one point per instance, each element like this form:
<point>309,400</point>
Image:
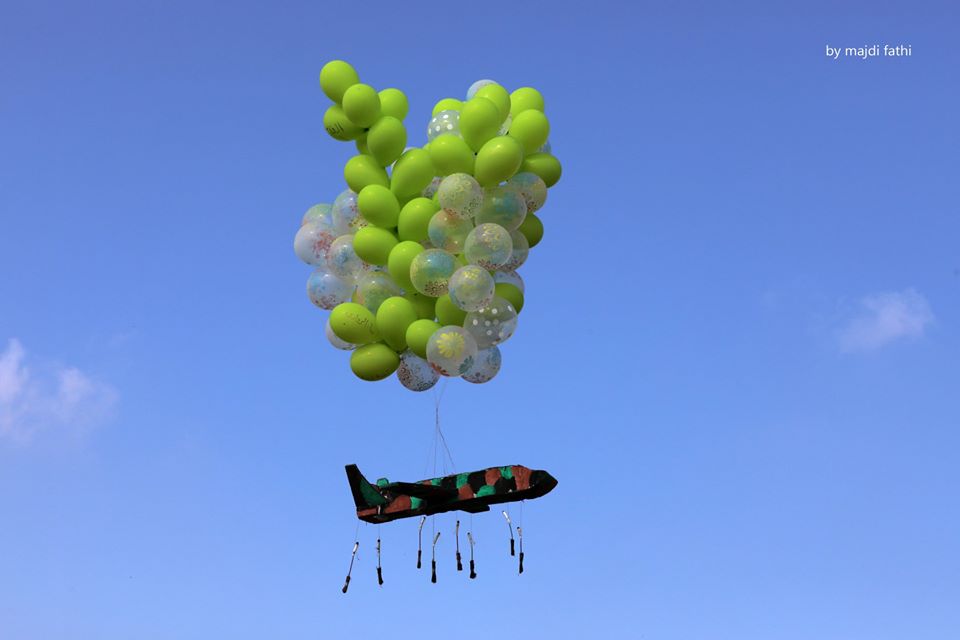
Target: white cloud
<point>54,397</point>
<point>884,318</point>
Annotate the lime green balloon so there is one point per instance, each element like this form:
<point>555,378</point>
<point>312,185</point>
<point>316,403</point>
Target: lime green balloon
<point>532,230</point>
<point>447,104</point>
<point>373,362</point>
<point>378,205</point>
<point>398,262</point>
<point>412,173</point>
<point>525,98</point>
<point>498,96</point>
<point>448,313</point>
<point>336,77</point>
<point>361,104</point>
<point>414,219</point>
<point>544,165</point>
<point>354,323</point>
<point>531,128</point>
<point>418,334</point>
<point>394,103</point>
<point>361,144</point>
<point>394,315</point>
<point>387,139</point>
<point>509,292</point>
<point>362,170</point>
<point>497,160</point>
<point>479,121</point>
<point>425,305</point>
<point>451,154</point>
<point>374,244</point>
<point>338,125</point>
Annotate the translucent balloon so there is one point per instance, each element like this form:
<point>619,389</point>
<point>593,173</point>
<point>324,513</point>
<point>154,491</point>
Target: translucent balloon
<point>476,86</point>
<point>521,249</point>
<point>531,188</point>
<point>492,324</point>
<point>373,287</point>
<point>317,212</point>
<point>342,260</point>
<point>546,148</point>
<point>431,188</point>
<point>485,367</point>
<point>448,231</point>
<point>509,277</point>
<point>471,288</point>
<point>505,127</point>
<point>430,272</point>
<point>312,242</point>
<point>415,373</point>
<point>444,122</point>
<point>504,206</point>
<point>461,194</point>
<point>450,351</point>
<point>338,343</point>
<point>327,290</point>
<point>489,245</point>
<point>345,214</point>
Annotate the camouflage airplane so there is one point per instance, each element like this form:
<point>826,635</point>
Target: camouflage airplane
<point>471,492</point>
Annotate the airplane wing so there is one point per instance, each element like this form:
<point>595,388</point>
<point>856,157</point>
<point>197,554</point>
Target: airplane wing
<point>428,492</point>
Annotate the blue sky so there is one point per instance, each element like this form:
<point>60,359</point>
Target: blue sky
<point>739,352</point>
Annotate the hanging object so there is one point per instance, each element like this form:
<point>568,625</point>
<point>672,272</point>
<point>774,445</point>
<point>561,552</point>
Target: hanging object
<point>473,572</point>
<point>433,559</point>
<point>510,525</point>
<point>380,573</point>
<point>520,535</point>
<point>353,555</point>
<point>457,535</point>
<point>419,535</point>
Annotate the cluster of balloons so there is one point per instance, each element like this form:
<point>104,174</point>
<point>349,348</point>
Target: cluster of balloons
<point>417,260</point>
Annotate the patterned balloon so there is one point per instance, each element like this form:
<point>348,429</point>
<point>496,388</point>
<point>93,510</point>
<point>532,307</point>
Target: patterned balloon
<point>432,188</point>
<point>450,351</point>
<point>342,260</point>
<point>430,272</point>
<point>415,373</point>
<point>337,342</point>
<point>448,231</point>
<point>471,288</point>
<point>373,287</point>
<point>509,277</point>
<point>531,188</point>
<point>502,205</point>
<point>521,249</point>
<point>327,290</point>
<point>345,214</point>
<point>316,212</point>
<point>489,245</point>
<point>485,367</point>
<point>444,122</point>
<point>313,240</point>
<point>492,324</point>
<point>545,148</point>
<point>461,194</point>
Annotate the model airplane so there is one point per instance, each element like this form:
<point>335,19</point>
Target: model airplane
<point>471,492</point>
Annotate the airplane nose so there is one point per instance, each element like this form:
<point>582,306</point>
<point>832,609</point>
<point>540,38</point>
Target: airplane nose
<point>543,480</point>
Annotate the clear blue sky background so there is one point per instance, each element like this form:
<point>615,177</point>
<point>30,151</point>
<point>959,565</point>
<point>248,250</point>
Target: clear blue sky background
<point>739,354</point>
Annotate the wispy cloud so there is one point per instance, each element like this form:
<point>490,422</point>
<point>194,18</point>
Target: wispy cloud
<point>53,397</point>
<point>884,318</point>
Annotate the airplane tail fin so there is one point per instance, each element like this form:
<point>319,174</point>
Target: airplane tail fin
<point>365,495</point>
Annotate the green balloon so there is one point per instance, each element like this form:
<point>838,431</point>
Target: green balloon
<point>544,165</point>
<point>373,362</point>
<point>497,160</point>
<point>338,125</point>
<point>387,139</point>
<point>531,128</point>
<point>447,104</point>
<point>378,205</point>
<point>361,144</point>
<point>412,173</point>
<point>398,262</point>
<point>336,77</point>
<point>374,244</point>
<point>415,219</point>
<point>425,305</point>
<point>498,96</point>
<point>448,313</point>
<point>394,103</point>
<point>532,229</point>
<point>509,292</point>
<point>525,98</point>
<point>354,323</point>
<point>479,121</point>
<point>362,170</point>
<point>450,154</point>
<point>361,104</point>
<point>394,315</point>
<point>418,334</point>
